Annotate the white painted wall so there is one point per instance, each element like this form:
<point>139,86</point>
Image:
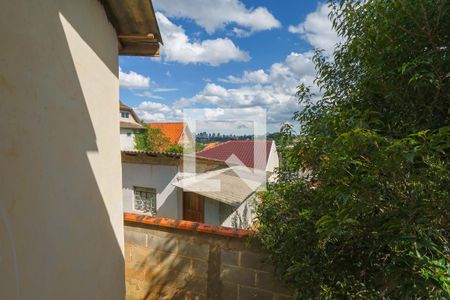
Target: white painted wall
<point>212,213</point>
<point>127,139</point>
<point>217,213</point>
<point>61,220</point>
<point>273,161</point>
<point>243,216</point>
<point>159,177</point>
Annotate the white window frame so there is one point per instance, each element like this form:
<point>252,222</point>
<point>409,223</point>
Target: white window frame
<point>151,207</point>
<point>124,114</point>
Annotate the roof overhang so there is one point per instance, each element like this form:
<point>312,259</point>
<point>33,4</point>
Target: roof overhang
<point>230,185</point>
<point>136,26</point>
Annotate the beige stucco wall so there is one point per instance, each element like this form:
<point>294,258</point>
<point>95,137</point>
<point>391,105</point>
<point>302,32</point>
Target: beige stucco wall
<point>61,233</point>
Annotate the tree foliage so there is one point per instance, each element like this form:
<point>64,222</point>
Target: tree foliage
<point>152,139</point>
<point>361,206</point>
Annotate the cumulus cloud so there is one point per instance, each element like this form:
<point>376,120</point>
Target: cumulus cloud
<point>258,76</point>
<point>156,112</point>
<point>165,90</point>
<point>133,80</point>
<point>179,48</point>
<point>273,89</point>
<point>317,29</point>
<point>217,14</point>
<point>149,95</point>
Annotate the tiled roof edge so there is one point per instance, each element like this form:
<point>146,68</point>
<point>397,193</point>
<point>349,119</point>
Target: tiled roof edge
<point>187,226</point>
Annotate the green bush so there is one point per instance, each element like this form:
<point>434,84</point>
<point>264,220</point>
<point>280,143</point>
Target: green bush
<point>361,206</point>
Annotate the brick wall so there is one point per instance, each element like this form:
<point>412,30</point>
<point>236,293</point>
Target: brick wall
<point>172,263</point>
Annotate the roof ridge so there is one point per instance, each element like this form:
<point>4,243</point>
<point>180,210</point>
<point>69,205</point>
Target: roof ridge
<point>166,123</point>
<point>223,143</point>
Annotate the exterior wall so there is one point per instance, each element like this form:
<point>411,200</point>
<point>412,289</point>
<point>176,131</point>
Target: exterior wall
<point>212,212</point>
<point>217,213</point>
<point>164,263</point>
<point>129,119</point>
<point>242,216</point>
<point>158,177</point>
<point>187,138</point>
<point>61,221</point>
<point>273,161</point>
<point>127,139</point>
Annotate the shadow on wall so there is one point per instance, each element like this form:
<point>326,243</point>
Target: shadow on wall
<point>61,243</point>
<point>165,263</point>
<point>158,272</point>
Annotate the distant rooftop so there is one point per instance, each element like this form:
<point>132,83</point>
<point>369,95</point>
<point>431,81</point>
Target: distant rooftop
<point>243,150</point>
<point>172,130</point>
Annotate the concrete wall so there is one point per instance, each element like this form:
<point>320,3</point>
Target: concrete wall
<point>163,263</point>
<point>61,222</point>
<point>127,139</point>
<point>159,177</point>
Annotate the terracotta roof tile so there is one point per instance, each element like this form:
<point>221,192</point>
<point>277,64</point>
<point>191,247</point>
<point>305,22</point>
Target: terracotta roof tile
<point>173,131</point>
<point>243,150</point>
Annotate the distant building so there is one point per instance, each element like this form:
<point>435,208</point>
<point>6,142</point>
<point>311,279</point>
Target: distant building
<point>178,133</point>
<point>129,126</point>
<point>243,153</point>
<point>156,184</point>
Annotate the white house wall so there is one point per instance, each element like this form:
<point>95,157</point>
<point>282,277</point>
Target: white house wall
<point>243,216</point>
<point>159,177</point>
<point>61,220</point>
<point>273,160</point>
<point>212,211</point>
<point>127,139</point>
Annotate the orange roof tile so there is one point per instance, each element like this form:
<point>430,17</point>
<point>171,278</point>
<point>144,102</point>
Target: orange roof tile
<point>173,131</point>
<point>210,145</point>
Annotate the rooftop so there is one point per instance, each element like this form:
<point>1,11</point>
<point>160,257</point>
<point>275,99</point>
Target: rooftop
<point>243,150</point>
<point>136,26</point>
<point>173,131</point>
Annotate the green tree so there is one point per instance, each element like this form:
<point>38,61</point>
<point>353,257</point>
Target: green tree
<point>140,138</point>
<point>360,209</point>
<point>151,139</point>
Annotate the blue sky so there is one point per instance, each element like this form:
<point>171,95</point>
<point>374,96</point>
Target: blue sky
<point>237,56</point>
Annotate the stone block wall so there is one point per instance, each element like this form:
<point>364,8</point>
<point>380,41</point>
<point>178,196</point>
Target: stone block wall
<point>173,263</point>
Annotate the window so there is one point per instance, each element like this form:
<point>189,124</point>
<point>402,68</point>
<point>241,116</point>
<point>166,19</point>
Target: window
<point>145,200</point>
<point>124,114</point>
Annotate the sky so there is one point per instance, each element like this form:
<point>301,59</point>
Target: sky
<point>231,61</point>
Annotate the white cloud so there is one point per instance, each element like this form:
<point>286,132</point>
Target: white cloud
<point>149,95</point>
<point>156,112</point>
<point>177,47</point>
<point>165,90</point>
<point>217,14</point>
<point>133,80</point>
<point>258,76</point>
<point>273,89</point>
<point>317,29</point>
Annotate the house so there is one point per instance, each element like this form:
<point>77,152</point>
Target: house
<point>177,133</point>
<point>61,214</point>
<point>219,192</point>
<point>148,176</point>
<point>261,155</point>
<point>130,125</point>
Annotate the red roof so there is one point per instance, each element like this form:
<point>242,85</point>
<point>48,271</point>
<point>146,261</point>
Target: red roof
<point>243,150</point>
<point>173,131</point>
